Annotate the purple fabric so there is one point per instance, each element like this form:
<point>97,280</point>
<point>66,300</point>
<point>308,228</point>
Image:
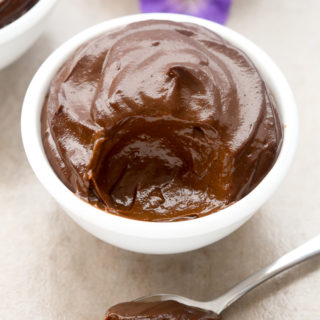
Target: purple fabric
<point>216,10</point>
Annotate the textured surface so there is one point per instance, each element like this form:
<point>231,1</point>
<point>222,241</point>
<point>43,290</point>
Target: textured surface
<point>51,269</point>
<point>160,121</point>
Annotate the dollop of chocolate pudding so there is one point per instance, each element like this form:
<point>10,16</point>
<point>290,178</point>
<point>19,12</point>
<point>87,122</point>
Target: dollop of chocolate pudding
<point>11,10</point>
<point>160,121</point>
<point>168,310</point>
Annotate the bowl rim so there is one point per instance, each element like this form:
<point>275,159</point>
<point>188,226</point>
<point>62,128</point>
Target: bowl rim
<point>26,21</point>
<point>83,211</point>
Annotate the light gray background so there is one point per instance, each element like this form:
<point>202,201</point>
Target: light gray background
<point>51,269</point>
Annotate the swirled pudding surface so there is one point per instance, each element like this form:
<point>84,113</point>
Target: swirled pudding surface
<point>160,121</point>
<point>11,10</point>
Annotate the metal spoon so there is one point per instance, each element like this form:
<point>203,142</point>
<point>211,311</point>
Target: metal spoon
<point>305,251</point>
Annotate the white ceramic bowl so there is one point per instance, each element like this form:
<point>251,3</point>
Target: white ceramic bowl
<point>18,36</point>
<point>157,237</point>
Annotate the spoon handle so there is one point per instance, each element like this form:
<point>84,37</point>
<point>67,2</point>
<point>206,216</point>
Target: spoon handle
<point>305,251</point>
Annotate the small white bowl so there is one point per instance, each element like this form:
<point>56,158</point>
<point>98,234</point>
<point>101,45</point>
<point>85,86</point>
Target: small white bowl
<point>157,237</point>
<point>18,36</point>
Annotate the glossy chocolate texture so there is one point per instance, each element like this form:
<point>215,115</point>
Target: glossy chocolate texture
<point>168,310</point>
<point>11,10</point>
<point>160,121</point>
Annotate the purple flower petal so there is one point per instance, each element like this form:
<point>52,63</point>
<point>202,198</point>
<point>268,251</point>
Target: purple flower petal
<point>216,10</point>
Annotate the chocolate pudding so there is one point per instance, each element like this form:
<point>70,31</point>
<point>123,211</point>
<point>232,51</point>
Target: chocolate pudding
<point>160,121</point>
<point>11,10</point>
<point>168,310</point>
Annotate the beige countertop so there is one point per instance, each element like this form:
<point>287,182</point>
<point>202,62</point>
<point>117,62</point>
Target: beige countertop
<point>52,269</point>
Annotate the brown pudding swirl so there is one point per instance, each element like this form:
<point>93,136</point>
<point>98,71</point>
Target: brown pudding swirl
<point>164,310</point>
<point>11,10</point>
<point>160,121</point>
